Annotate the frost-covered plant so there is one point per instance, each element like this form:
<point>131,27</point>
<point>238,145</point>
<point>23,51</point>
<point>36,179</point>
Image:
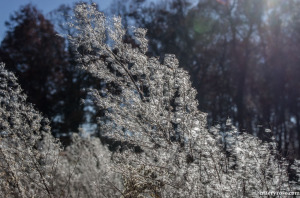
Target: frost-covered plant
<point>85,170</point>
<point>32,162</point>
<point>27,165</point>
<point>151,105</point>
<point>254,165</point>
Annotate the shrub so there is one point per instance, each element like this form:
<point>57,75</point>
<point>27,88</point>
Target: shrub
<point>28,151</point>
<point>32,161</point>
<point>151,105</point>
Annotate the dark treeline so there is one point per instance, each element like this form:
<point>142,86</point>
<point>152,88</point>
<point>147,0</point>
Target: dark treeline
<point>46,68</point>
<point>243,57</point>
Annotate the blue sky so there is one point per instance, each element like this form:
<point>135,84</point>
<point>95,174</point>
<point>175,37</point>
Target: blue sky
<point>8,7</point>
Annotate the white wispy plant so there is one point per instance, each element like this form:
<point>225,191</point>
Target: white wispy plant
<point>27,165</point>
<point>150,104</point>
<point>166,148</point>
<point>33,164</point>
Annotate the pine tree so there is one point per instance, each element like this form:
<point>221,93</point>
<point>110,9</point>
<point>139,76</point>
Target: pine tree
<point>36,54</point>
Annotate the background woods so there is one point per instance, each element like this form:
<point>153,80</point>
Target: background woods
<point>243,58</point>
